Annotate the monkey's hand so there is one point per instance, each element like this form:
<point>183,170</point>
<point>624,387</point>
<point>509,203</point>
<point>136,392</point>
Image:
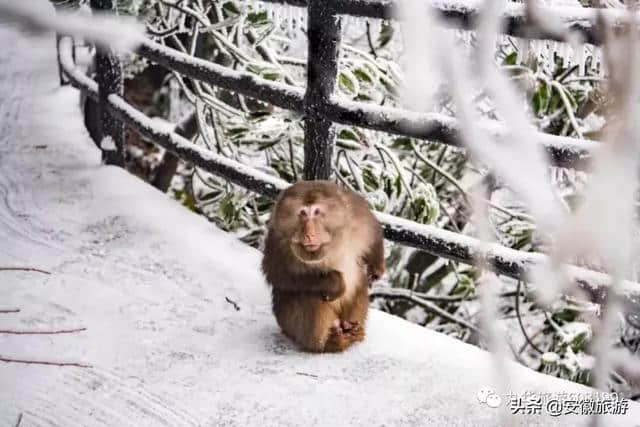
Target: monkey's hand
<point>332,286</point>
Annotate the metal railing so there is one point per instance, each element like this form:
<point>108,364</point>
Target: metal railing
<point>322,111</point>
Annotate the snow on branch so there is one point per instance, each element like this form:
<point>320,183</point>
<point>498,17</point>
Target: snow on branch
<point>516,19</point>
<point>505,261</point>
<point>166,137</point>
<point>443,243</point>
<point>236,172</point>
<point>79,79</point>
<point>279,94</point>
<point>100,29</point>
<point>563,151</point>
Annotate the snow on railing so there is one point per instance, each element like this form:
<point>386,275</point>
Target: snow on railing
<point>439,242</point>
<point>166,137</point>
<point>563,151</point>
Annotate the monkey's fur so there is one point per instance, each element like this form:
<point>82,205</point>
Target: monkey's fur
<point>322,250</point>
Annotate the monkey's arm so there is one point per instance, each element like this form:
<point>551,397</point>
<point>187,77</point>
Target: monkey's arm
<point>374,258</point>
<point>328,285</point>
<point>369,229</point>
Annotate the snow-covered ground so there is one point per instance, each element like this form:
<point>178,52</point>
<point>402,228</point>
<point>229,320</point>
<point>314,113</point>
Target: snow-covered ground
<point>154,286</point>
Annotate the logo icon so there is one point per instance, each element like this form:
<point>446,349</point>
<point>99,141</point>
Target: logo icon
<point>489,397</point>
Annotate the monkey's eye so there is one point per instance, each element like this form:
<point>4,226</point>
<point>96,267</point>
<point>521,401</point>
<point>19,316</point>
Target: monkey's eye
<point>302,212</point>
<point>317,212</point>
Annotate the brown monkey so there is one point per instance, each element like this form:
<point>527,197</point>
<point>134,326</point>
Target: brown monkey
<point>323,248</point>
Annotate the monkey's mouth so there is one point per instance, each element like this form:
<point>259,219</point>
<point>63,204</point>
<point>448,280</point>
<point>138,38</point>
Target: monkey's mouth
<point>309,254</point>
<point>312,247</point>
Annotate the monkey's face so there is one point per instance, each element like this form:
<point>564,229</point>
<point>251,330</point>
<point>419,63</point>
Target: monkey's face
<point>313,227</point>
<point>312,234</point>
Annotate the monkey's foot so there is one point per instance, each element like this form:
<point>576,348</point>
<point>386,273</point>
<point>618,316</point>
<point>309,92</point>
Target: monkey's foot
<point>338,340</point>
<point>353,329</point>
<point>343,334</point>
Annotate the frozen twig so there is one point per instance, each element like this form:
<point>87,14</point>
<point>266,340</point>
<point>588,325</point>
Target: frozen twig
<point>465,193</point>
<point>33,269</point>
<point>372,48</point>
<point>233,303</point>
<point>43,362</point>
<point>387,292</point>
<point>53,332</point>
<point>382,291</point>
<point>427,305</point>
<point>522,328</point>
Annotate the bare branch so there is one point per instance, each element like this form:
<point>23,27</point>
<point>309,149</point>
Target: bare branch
<point>54,332</point>
<point>233,303</point>
<point>429,306</point>
<point>386,292</point>
<point>37,270</point>
<point>43,362</point>
<point>524,331</point>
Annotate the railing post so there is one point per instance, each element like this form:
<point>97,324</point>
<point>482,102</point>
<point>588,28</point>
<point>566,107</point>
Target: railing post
<point>323,30</point>
<point>109,79</point>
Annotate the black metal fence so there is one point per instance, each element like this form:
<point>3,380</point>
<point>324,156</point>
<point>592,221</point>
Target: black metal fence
<point>321,111</point>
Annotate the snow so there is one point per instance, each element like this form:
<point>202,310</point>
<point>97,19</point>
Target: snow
<point>149,280</point>
<point>107,143</point>
<point>99,28</point>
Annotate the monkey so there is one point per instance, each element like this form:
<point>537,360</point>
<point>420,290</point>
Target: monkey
<point>322,250</point>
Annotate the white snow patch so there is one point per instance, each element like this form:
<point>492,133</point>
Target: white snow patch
<point>107,143</point>
<point>98,28</point>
